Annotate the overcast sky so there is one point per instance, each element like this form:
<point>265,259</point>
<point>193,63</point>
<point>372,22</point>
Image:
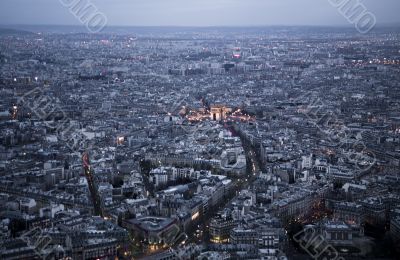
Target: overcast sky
<point>195,12</point>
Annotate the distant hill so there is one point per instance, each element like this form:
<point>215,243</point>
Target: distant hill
<point>150,30</point>
<point>8,31</point>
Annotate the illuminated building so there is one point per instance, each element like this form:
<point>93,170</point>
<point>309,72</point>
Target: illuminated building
<point>154,231</point>
<point>237,54</point>
<point>120,140</point>
<point>219,113</point>
<point>221,226</point>
<point>14,112</point>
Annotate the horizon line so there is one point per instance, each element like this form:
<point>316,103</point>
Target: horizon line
<point>212,26</point>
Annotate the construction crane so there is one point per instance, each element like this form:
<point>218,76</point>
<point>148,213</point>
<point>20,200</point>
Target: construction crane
<point>89,174</point>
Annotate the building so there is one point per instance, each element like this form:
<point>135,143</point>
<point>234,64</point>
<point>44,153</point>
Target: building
<point>154,230</point>
<point>349,212</point>
<point>337,231</point>
<point>219,112</point>
<point>221,226</point>
<point>244,236</point>
<point>395,229</point>
<point>374,210</point>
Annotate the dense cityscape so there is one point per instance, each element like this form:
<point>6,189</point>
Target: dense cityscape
<point>200,143</point>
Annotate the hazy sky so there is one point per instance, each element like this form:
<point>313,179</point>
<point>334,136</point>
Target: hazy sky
<point>195,12</point>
